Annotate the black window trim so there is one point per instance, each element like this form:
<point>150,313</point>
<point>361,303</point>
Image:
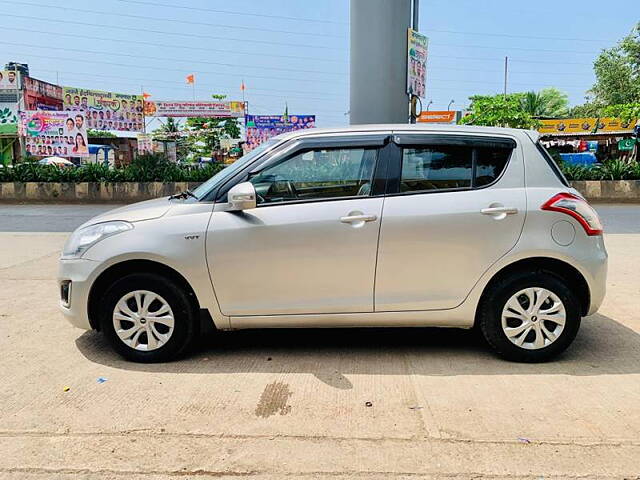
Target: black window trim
<point>378,140</point>
<point>419,141</point>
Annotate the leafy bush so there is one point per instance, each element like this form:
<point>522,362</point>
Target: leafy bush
<point>615,169</point>
<point>144,169</point>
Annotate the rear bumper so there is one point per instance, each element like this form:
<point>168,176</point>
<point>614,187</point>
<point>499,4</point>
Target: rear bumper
<point>80,273</point>
<point>597,266</point>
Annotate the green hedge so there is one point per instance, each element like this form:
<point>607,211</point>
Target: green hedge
<point>610,170</point>
<point>147,168</point>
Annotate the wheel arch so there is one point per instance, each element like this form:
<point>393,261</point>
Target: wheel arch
<point>119,270</point>
<point>554,266</point>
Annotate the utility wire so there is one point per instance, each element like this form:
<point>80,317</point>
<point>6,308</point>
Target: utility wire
<point>162,32</point>
<point>298,19</point>
<point>172,20</point>
<point>164,59</point>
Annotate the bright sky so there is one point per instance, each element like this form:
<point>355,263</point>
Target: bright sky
<point>297,51</point>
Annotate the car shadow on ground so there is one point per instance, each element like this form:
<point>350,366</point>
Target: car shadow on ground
<point>603,347</point>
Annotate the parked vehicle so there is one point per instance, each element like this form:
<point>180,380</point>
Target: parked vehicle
<point>395,226</point>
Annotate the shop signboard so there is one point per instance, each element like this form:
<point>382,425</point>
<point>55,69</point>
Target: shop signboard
<point>205,109</point>
<point>260,128</point>
<point>9,80</point>
<point>62,133</point>
<point>417,52</point>
<point>443,117</point>
<point>569,126</point>
<point>107,110</point>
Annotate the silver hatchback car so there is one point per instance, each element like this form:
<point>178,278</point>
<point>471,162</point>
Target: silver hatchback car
<point>388,226</point>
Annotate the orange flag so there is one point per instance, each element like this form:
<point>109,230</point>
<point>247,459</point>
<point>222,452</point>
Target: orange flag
<point>242,87</point>
<point>191,78</point>
<point>146,95</point>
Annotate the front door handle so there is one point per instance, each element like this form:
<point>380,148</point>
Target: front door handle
<point>499,211</point>
<point>358,218</point>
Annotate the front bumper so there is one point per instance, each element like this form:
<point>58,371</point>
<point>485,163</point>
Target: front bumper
<point>80,273</point>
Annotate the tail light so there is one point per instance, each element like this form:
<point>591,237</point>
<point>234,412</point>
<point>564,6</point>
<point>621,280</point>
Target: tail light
<point>578,208</point>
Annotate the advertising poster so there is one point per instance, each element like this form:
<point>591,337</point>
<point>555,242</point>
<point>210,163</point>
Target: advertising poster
<point>145,143</point>
<point>194,109</point>
<point>8,118</point>
<point>9,80</point>
<point>106,110</point>
<point>417,51</point>
<point>49,133</point>
<point>262,127</point>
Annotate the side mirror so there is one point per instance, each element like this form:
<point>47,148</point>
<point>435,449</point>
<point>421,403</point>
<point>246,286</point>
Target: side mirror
<point>242,197</point>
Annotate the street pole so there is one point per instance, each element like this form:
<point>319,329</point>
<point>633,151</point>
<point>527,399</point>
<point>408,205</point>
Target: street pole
<point>414,25</point>
<point>506,74</point>
<point>378,65</point>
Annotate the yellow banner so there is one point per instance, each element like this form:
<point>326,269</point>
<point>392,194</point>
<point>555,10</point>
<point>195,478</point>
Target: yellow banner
<point>566,126</point>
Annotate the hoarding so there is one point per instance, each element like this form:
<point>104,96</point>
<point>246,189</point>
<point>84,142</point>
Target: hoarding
<point>447,117</point>
<point>49,133</point>
<point>260,128</point>
<point>107,110</point>
<point>9,80</point>
<point>194,109</point>
<point>41,95</point>
<point>417,52</point>
<point>573,126</point>
<point>8,118</point>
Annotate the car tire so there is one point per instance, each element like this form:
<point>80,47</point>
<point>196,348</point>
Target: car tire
<point>508,316</point>
<point>167,326</point>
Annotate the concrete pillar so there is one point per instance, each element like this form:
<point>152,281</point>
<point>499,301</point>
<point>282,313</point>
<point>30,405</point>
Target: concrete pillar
<point>378,63</point>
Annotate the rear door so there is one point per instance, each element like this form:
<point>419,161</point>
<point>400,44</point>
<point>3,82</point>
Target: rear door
<point>454,206</point>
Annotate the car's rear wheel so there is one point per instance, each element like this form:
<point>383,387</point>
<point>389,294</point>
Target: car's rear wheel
<point>148,318</point>
<point>529,316</point>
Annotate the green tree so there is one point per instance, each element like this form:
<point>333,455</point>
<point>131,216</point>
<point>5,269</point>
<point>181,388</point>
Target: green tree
<point>499,111</point>
<point>92,133</point>
<point>617,72</point>
<point>205,133</point>
<point>549,102</point>
<point>172,130</point>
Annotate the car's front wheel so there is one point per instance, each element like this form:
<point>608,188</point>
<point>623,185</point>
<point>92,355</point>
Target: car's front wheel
<point>148,318</point>
<point>530,316</point>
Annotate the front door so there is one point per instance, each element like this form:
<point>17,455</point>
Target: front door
<point>459,205</point>
<point>309,247</point>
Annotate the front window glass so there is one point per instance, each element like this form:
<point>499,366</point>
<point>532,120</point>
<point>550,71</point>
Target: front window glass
<point>317,174</point>
<point>232,169</point>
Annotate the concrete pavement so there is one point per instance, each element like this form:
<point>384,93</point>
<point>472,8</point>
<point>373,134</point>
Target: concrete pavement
<point>382,403</point>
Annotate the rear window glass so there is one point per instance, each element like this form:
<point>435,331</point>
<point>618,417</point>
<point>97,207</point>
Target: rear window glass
<point>451,167</point>
<point>490,163</point>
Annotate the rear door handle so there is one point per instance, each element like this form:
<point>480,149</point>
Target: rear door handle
<point>358,218</point>
<point>499,211</point>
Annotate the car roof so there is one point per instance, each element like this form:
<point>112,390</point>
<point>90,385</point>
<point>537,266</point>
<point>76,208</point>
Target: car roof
<point>410,128</point>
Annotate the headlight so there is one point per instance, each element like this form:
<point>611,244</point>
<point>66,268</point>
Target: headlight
<point>80,240</point>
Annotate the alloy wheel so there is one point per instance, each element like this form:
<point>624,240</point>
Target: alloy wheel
<point>533,318</point>
<point>143,320</point>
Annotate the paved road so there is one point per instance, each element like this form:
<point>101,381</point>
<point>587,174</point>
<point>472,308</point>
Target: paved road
<point>335,404</point>
<point>622,218</point>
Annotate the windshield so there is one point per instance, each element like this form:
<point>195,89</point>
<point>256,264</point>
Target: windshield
<point>231,170</point>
